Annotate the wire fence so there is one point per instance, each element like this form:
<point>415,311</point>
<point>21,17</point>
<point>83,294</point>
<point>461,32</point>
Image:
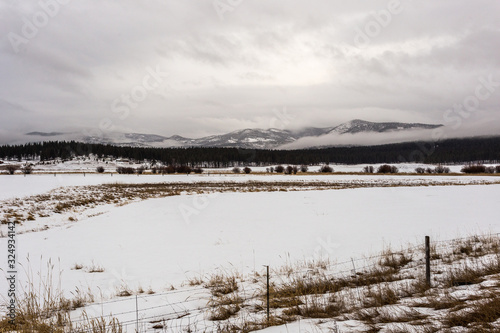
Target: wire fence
<point>193,312</point>
<point>192,309</point>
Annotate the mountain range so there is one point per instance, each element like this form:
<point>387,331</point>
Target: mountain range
<point>246,138</point>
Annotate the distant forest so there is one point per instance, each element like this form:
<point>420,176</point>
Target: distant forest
<point>447,151</point>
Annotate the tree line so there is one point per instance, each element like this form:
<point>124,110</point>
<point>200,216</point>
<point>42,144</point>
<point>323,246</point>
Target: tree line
<point>447,151</point>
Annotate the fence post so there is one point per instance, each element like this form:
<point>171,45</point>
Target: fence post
<point>136,315</point>
<point>357,279</point>
<point>427,261</point>
<point>267,293</point>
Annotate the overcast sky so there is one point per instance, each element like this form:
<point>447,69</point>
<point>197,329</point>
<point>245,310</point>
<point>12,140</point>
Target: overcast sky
<point>204,67</point>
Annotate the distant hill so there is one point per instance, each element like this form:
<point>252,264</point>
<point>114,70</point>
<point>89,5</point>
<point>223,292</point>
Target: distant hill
<point>44,134</point>
<point>271,138</point>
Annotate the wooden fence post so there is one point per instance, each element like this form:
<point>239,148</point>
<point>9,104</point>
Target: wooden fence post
<point>428,261</point>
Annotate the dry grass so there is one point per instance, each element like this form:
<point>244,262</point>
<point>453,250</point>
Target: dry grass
<point>300,286</point>
<point>195,281</point>
<point>99,325</point>
<point>468,273</point>
<point>316,307</point>
<point>220,285</point>
<point>77,266</point>
<point>482,312</point>
<point>388,294</point>
<point>252,325</point>
<point>43,308</point>
<point>374,316</point>
<point>223,312</point>
<point>396,261</point>
<point>225,301</point>
<point>124,291</point>
<point>441,302</point>
<point>94,268</point>
<point>76,199</point>
<point>380,295</point>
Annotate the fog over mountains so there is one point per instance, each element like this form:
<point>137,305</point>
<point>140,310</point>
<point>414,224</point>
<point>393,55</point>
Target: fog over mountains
<point>271,138</point>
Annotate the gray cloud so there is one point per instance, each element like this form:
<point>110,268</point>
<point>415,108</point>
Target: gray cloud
<point>241,70</point>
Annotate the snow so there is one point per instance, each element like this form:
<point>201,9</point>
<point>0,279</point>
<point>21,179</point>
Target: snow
<point>159,243</point>
<point>19,186</point>
<point>193,235</point>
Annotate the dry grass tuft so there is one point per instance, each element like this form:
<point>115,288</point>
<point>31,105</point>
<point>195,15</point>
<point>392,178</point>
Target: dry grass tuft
<point>44,309</point>
<point>380,295</point>
<point>481,312</point>
<point>220,285</point>
<point>396,261</point>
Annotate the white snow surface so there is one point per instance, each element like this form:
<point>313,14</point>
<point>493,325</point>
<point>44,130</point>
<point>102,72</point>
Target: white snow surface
<point>159,243</point>
<point>18,186</point>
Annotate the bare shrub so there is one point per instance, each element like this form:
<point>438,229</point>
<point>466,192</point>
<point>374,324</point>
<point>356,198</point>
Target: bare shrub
<point>247,170</point>
<point>474,168</point>
<point>27,169</point>
<point>420,170</point>
<point>169,169</point>
<point>386,168</point>
<point>11,169</point>
<point>140,170</point>
<point>236,170</point>
<point>368,169</point>
<point>304,168</point>
<point>279,169</point>
<point>125,170</point>
<point>326,169</point>
<point>183,169</point>
<point>490,169</point>
<point>441,169</point>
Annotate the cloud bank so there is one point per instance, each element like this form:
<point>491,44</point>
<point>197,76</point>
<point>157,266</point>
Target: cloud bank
<point>225,65</point>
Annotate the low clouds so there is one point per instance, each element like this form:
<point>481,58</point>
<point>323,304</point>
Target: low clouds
<point>235,71</point>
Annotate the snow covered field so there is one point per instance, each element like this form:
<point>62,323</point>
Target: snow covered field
<point>20,186</point>
<point>162,243</point>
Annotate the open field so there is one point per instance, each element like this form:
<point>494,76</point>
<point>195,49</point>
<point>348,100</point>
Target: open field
<point>179,237</point>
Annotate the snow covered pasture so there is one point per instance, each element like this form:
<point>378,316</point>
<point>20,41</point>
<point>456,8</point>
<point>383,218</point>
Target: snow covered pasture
<point>166,249</point>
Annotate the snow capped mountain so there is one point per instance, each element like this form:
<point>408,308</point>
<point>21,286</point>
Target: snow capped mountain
<point>357,126</point>
<point>127,139</point>
<point>247,138</point>
<point>274,138</point>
